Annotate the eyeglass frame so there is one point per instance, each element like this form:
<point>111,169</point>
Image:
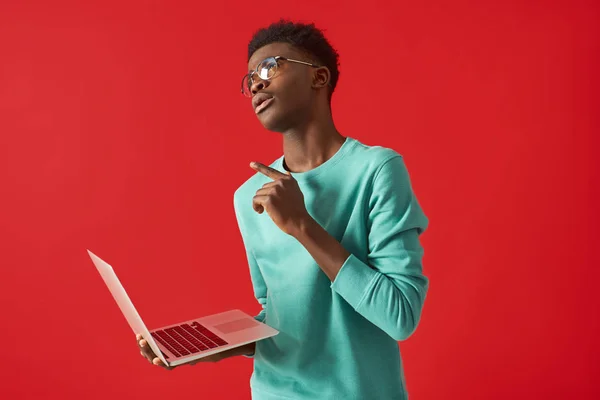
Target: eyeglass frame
<point>277,58</point>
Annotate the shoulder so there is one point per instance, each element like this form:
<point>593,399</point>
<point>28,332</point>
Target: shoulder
<point>382,170</point>
<point>374,158</point>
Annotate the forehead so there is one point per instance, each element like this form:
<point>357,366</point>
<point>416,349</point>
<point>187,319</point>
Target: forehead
<point>272,50</point>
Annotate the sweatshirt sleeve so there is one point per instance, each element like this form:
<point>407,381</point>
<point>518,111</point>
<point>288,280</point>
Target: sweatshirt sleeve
<point>258,283</point>
<point>389,289</point>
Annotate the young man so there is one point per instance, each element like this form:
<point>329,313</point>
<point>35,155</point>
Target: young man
<point>331,231</point>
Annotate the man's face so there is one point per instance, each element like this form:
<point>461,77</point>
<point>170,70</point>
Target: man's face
<point>283,101</point>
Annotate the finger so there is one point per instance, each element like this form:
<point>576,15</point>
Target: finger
<point>271,184</point>
<point>276,183</point>
<point>140,347</point>
<point>158,361</point>
<point>259,203</point>
<point>266,191</point>
<point>139,338</point>
<point>148,353</point>
<point>267,171</point>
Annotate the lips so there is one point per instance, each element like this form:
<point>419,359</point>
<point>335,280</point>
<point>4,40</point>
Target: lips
<point>259,101</point>
<point>263,104</point>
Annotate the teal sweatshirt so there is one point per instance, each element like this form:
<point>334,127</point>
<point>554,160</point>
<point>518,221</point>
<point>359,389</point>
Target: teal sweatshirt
<point>338,340</point>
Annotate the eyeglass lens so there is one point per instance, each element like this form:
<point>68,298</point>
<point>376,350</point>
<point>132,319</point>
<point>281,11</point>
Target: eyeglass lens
<point>266,69</point>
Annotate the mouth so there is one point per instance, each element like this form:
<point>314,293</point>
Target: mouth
<point>263,105</point>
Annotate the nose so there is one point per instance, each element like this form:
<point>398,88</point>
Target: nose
<point>257,85</point>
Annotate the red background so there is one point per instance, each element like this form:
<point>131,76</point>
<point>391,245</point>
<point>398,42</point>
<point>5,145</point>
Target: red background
<point>122,130</point>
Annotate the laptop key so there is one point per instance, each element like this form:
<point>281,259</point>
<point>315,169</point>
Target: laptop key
<point>166,336</point>
<point>164,343</point>
<point>179,339</point>
<point>197,346</point>
<point>194,337</point>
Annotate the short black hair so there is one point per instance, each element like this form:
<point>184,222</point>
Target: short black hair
<point>305,37</point>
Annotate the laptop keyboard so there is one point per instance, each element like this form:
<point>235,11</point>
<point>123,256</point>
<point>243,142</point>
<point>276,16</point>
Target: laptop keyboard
<point>187,339</point>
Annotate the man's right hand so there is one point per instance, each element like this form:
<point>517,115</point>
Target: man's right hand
<point>149,355</point>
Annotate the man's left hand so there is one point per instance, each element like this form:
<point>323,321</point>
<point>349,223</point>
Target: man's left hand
<point>282,199</point>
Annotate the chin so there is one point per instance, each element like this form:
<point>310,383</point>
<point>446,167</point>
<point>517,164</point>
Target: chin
<point>273,123</point>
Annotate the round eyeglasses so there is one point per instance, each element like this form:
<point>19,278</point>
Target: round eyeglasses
<point>266,70</point>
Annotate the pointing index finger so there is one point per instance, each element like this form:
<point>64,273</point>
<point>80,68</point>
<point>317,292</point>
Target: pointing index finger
<point>267,171</point>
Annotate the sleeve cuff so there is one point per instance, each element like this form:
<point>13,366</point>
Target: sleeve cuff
<point>354,280</point>
<point>261,316</point>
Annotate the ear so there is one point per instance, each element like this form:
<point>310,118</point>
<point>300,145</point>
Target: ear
<point>321,77</point>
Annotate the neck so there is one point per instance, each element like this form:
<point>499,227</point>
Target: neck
<point>308,146</point>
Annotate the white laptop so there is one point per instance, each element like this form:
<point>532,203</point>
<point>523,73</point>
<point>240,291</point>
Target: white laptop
<point>190,340</point>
